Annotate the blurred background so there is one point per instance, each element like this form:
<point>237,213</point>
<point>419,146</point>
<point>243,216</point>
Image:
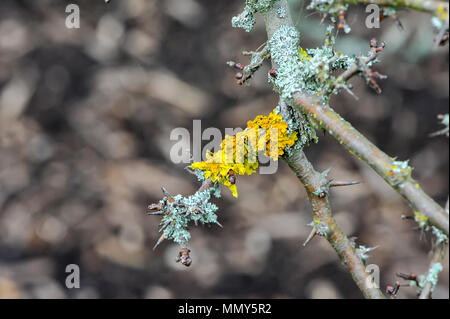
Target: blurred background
<point>85,120</point>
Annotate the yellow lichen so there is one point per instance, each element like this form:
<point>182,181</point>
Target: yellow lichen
<point>421,219</point>
<point>442,13</point>
<point>237,155</point>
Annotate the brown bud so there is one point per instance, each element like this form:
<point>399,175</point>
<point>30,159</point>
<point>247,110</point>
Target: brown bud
<point>273,73</point>
<point>183,257</point>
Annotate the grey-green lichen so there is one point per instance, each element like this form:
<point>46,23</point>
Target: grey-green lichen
<point>299,70</point>
<point>399,172</point>
<point>180,211</point>
<point>301,123</point>
<point>305,71</point>
<point>332,8</point>
<point>246,18</point>
<point>431,277</point>
<point>440,236</point>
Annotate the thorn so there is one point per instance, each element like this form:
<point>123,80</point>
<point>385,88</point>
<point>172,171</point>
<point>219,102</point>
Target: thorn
<point>337,183</point>
<point>311,235</point>
<point>325,172</point>
<point>190,170</point>
<point>220,225</point>
<point>407,217</point>
<point>346,88</point>
<point>157,206</point>
<point>440,132</point>
<point>165,226</point>
<point>160,240</point>
<point>398,22</point>
<point>155,213</point>
<point>323,18</point>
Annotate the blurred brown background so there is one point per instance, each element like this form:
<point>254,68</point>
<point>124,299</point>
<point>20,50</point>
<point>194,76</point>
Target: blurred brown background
<point>85,119</point>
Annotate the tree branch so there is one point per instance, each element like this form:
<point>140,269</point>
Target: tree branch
<point>388,168</point>
<point>419,5</point>
<point>317,185</point>
<point>325,224</point>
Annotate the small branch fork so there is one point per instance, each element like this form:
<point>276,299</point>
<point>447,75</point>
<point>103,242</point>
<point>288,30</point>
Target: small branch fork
<point>361,67</point>
<point>245,72</point>
<point>162,207</point>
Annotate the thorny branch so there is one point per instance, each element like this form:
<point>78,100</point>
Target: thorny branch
<point>166,207</point>
<point>437,256</point>
<point>395,173</point>
<point>325,225</point>
<point>317,186</point>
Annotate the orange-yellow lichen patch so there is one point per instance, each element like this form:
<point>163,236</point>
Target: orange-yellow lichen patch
<point>237,155</point>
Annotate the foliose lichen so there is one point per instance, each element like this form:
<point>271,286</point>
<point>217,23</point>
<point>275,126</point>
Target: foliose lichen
<point>440,236</point>
<point>180,211</point>
<point>307,71</point>
<point>431,277</point>
<point>302,124</point>
<point>246,18</point>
